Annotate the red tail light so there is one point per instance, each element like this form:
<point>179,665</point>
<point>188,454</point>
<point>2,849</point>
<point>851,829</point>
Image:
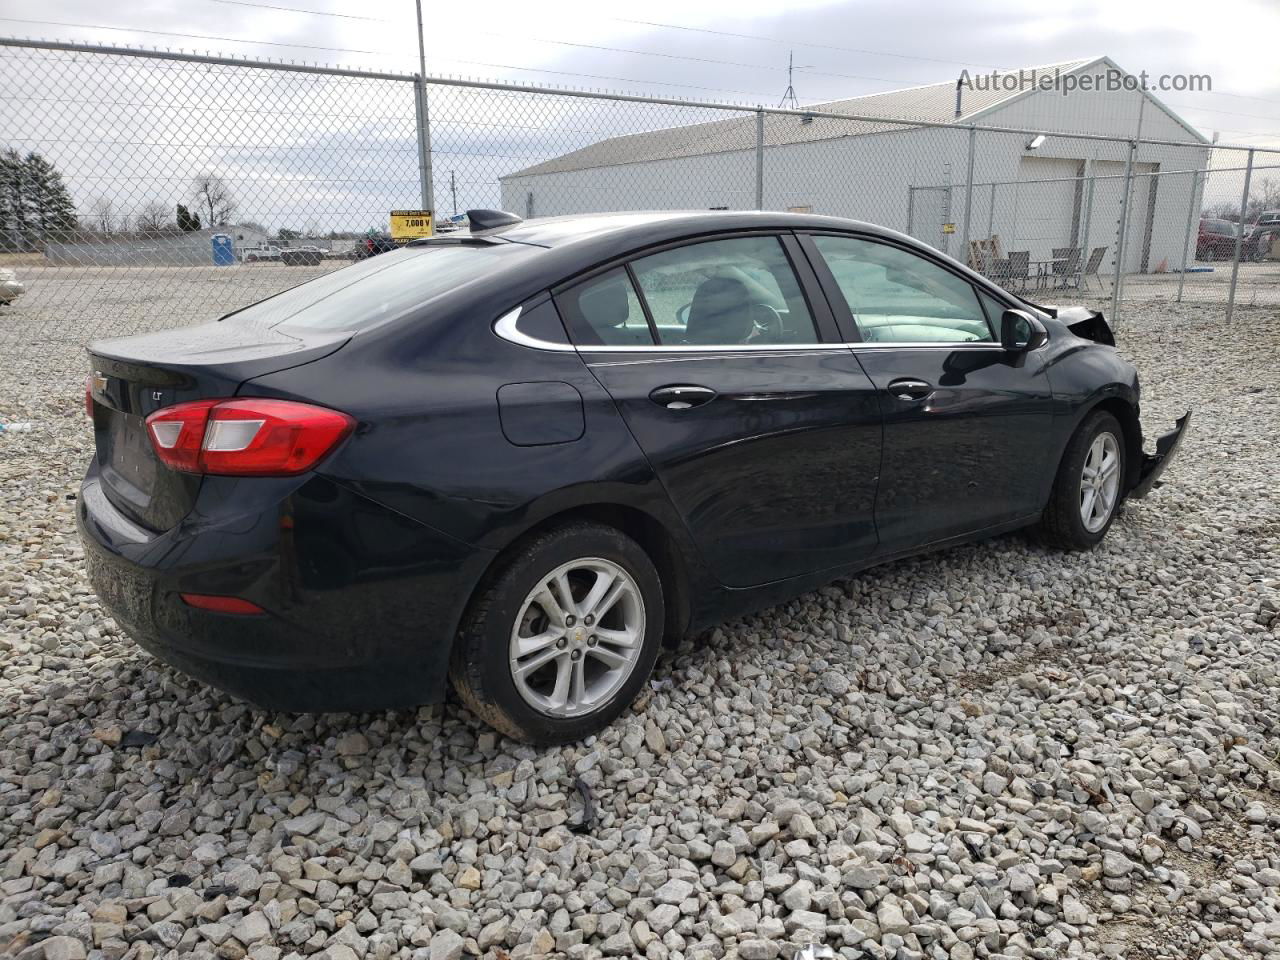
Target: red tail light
<point>253,437</point>
<point>219,604</point>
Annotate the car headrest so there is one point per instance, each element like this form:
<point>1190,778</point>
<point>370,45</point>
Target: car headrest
<point>605,304</point>
<point>720,312</point>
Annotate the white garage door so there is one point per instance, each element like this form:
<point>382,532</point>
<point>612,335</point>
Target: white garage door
<point>1104,226</point>
<point>1046,213</point>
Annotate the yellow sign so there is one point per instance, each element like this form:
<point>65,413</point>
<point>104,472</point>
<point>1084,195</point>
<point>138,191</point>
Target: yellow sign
<point>948,228</point>
<point>409,225</point>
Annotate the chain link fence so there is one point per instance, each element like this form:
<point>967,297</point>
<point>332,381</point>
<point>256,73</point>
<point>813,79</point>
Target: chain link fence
<point>140,189</point>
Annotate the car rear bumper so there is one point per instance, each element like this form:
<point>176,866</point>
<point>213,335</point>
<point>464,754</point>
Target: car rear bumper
<point>1153,465</point>
<point>361,604</point>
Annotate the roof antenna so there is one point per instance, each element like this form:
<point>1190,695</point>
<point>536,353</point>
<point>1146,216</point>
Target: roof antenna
<point>790,96</point>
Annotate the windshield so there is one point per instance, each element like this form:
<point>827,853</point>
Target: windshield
<point>383,287</point>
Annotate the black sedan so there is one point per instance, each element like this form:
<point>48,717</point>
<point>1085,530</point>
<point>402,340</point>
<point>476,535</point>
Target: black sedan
<point>522,457</point>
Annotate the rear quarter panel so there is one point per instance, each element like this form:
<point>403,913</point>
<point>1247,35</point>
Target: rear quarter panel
<point>431,442</point>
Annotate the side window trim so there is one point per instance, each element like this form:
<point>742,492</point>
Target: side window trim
<point>843,316</point>
<point>572,324</point>
<point>644,302</point>
<point>815,296</point>
<point>819,308</point>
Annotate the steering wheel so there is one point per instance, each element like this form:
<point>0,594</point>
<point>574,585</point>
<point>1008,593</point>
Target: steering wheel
<point>768,324</point>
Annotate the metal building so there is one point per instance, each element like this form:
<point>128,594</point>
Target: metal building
<point>1037,190</point>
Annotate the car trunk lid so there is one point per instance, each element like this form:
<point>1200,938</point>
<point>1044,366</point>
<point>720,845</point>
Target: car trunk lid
<point>132,377</point>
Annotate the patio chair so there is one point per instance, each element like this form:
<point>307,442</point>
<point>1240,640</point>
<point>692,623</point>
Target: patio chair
<point>1066,264</point>
<point>1093,266</point>
<point>1019,267</point>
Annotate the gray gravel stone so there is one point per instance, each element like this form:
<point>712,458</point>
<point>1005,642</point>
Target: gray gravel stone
<point>998,752</point>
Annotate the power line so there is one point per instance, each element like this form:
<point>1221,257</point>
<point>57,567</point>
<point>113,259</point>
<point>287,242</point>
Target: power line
<point>874,53</point>
<point>1229,113</point>
<point>800,43</point>
<point>190,36</point>
<point>603,76</point>
<point>314,13</point>
<point>603,47</point>
<point>693,59</point>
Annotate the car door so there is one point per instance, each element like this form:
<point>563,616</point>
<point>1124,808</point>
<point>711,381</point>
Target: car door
<point>760,423</point>
<point>967,438</point>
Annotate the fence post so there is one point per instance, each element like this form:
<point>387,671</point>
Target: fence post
<point>1087,225</point>
<point>1118,278</point>
<point>1186,237</point>
<point>424,143</point>
<point>1235,263</point>
<point>422,118</point>
<point>968,202</point>
<point>759,158</point>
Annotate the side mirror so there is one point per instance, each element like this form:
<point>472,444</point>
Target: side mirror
<point>1019,331</point>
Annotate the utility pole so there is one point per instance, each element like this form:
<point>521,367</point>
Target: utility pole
<point>424,119</point>
<point>453,191</point>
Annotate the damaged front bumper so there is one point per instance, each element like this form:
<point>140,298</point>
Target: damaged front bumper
<point>1153,464</point>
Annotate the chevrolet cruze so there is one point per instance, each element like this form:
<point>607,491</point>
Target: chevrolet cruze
<point>518,459</point>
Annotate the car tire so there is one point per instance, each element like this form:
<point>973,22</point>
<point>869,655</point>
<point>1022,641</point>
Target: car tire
<point>1072,520</point>
<point>526,695</point>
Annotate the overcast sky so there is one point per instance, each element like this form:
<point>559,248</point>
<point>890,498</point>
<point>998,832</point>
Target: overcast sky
<point>734,50</point>
<point>883,44</point>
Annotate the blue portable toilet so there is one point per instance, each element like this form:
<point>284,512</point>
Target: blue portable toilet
<point>223,253</point>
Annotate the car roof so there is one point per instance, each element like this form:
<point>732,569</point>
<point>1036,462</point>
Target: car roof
<point>656,225</point>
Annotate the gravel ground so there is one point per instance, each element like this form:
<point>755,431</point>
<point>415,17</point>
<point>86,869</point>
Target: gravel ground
<point>998,751</point>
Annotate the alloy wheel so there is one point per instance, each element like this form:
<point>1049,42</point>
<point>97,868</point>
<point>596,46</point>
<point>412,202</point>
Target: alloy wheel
<point>577,637</point>
<point>1099,482</point>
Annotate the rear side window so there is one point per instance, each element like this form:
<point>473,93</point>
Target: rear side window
<point>605,311</point>
<point>383,287</point>
<point>729,292</point>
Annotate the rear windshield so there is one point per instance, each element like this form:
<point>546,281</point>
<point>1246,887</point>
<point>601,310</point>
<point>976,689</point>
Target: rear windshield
<point>382,287</point>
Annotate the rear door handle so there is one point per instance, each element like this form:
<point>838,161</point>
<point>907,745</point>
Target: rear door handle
<point>682,396</point>
<point>911,390</point>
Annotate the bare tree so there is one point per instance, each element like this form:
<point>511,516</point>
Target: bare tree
<point>1264,195</point>
<point>213,195</point>
<point>153,217</point>
<point>102,215</point>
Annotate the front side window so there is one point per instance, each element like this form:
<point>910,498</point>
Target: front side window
<point>897,296</point>
<point>734,292</point>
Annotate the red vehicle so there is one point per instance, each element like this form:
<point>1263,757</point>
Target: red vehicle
<point>1216,240</point>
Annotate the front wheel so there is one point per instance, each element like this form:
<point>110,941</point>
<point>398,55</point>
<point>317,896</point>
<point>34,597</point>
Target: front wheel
<point>559,640</point>
<point>1088,487</point>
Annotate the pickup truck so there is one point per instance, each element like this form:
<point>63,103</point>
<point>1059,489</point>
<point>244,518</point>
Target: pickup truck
<point>263,251</point>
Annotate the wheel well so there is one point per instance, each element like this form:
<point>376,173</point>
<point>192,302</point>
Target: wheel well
<point>1124,411</point>
<point>653,539</point>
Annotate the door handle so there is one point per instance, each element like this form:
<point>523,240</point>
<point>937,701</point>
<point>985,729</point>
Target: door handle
<point>910,390</point>
<point>682,396</point>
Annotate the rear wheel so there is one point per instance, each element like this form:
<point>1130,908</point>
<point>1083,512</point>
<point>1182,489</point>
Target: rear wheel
<point>560,639</point>
<point>1088,487</point>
